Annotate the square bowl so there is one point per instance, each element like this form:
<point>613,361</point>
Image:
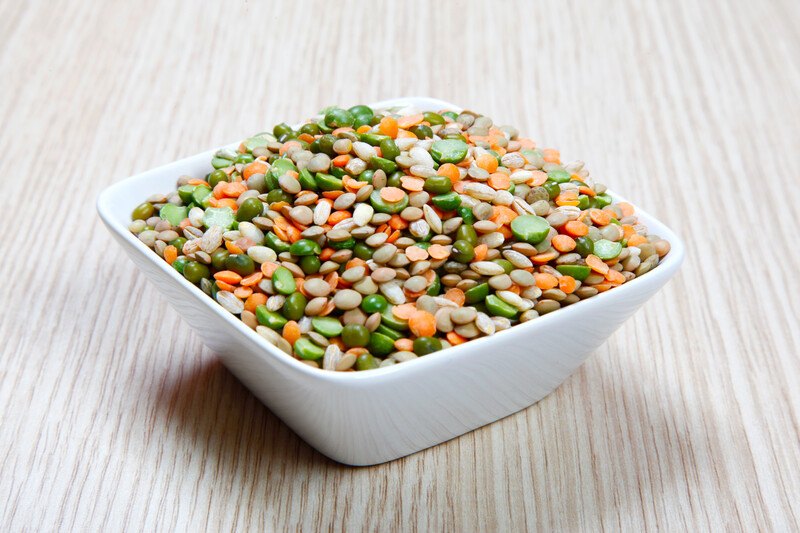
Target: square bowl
<point>364,418</point>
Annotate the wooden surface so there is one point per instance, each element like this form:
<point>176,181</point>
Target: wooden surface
<point>113,415</point>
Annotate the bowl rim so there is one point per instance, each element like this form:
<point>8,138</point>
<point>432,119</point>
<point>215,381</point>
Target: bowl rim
<point>666,268</point>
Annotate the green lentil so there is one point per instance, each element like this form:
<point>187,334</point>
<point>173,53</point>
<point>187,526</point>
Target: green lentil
<point>438,185</point>
<point>355,335</point>
<point>449,151</point>
<point>374,303</point>
<point>250,209</point>
<point>476,294</point>
<point>463,251</point>
<point>283,280</point>
<point>240,263</point>
<point>268,318</point>
<point>426,345</point>
<point>498,307</point>
<point>366,361</point>
<point>530,228</point>
<point>305,349</point>
<point>605,249</point>
<point>294,306</point>
<point>327,326</point>
<point>310,264</point>
<point>305,247</point>
<point>194,272</point>
<point>380,344</point>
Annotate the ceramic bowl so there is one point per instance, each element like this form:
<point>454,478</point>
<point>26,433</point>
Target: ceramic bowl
<point>364,418</point>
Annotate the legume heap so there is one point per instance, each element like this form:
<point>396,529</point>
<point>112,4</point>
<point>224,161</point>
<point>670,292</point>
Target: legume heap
<point>367,238</point>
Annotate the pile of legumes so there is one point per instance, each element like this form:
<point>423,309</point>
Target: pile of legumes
<point>366,238</point>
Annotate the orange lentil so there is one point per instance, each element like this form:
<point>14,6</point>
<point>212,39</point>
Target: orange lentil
<point>354,262</point>
<point>287,145</point>
<point>502,215</point>
<point>392,194</point>
<point>388,126</point>
<point>456,296</point>
<point>545,257</point>
<point>551,155</point>
<point>601,218</point>
<point>626,208</point>
<point>256,167</point>
<point>350,183</point>
<point>404,311</point>
<point>254,300</point>
<point>252,279</point>
<point>567,198</point>
<point>450,171</point>
<point>170,254</point>
<point>576,229</point>
<point>332,280</point>
<point>455,339</point>
<point>293,233</point>
<point>487,162</point>
<point>636,240</point>
<point>397,222</point>
<point>437,251</point>
<point>225,286</point>
<point>307,137</point>
<point>480,252</point>
<point>505,231</point>
<point>280,231</point>
<point>338,216</point>
<point>341,160</point>
<point>229,189</point>
<point>596,264</point>
<point>538,178</point>
<point>412,184</point>
<point>415,253</point>
<point>328,309</point>
<point>228,276</point>
<point>268,269</point>
<point>422,324</point>
<point>410,121</point>
<point>223,202</point>
<point>242,292</point>
<point>291,332</point>
<point>627,231</point>
<point>499,181</point>
<point>563,243</point>
<point>612,276</point>
<point>567,284</point>
<point>545,281</point>
<point>404,345</point>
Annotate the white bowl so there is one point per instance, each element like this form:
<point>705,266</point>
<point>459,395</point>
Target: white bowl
<point>364,418</point>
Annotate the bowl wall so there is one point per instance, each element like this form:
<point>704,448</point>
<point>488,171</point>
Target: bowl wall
<point>365,418</point>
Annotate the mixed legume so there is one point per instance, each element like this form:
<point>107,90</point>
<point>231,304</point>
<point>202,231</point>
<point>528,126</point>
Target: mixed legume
<point>366,238</point>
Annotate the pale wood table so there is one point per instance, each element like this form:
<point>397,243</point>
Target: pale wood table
<point>114,416</point>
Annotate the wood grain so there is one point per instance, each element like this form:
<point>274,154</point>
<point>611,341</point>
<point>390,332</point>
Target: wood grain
<point>114,417</point>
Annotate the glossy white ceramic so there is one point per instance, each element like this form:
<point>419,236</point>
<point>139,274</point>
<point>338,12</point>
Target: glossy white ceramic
<point>364,418</point>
